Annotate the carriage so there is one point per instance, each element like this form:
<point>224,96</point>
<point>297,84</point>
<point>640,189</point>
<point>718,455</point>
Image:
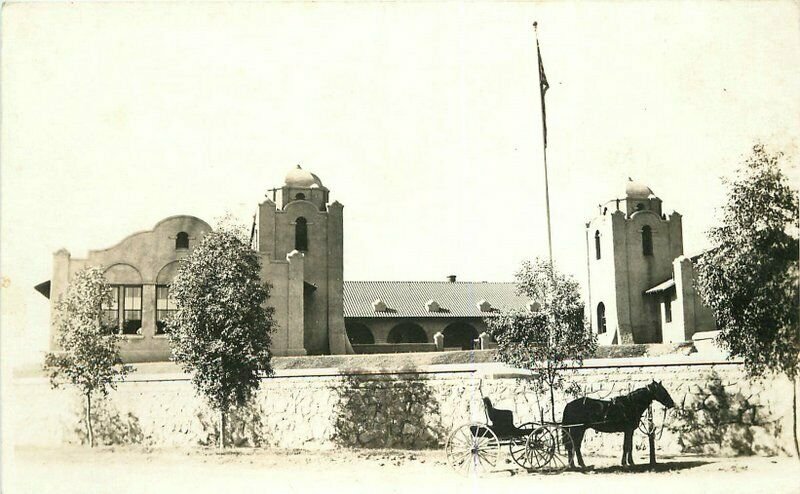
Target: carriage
<point>475,447</point>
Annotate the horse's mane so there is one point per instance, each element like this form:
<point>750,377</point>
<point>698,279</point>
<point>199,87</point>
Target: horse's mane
<point>636,392</point>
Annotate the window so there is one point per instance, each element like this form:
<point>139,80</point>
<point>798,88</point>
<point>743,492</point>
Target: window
<point>132,310</point>
<point>182,241</point>
<point>165,307</point>
<point>647,241</point>
<point>111,310</point>
<point>601,318</point>
<point>301,234</point>
<point>667,308</point>
<point>597,244</point>
<point>123,313</point>
<point>300,196</point>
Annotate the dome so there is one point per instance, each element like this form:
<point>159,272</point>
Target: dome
<point>298,177</point>
<point>637,190</point>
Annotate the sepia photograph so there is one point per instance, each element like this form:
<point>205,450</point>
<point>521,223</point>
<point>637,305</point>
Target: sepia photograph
<point>393,247</point>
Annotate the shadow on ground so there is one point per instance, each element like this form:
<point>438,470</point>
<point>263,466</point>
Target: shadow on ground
<point>663,466</point>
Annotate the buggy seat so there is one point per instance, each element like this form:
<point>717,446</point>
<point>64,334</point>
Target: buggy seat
<point>502,421</point>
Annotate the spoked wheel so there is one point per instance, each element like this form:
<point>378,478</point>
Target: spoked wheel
<point>540,448</point>
<point>472,449</point>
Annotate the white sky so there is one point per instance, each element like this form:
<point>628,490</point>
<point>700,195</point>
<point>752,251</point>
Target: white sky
<point>422,119</point>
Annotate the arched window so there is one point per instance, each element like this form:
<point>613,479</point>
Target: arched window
<point>407,332</point>
<point>359,334</point>
<point>597,244</point>
<point>301,234</point>
<point>182,241</point>
<point>647,241</point>
<point>601,318</point>
<point>299,196</point>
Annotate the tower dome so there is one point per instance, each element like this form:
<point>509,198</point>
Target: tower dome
<point>297,177</point>
<point>637,190</point>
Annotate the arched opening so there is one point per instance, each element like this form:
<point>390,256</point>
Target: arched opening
<point>407,332</point>
<point>301,234</point>
<point>601,318</point>
<point>359,334</point>
<point>459,335</point>
<point>300,196</point>
<point>182,240</point>
<point>647,241</point>
<point>597,244</point>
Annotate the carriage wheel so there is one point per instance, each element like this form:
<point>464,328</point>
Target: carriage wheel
<point>472,449</point>
<point>536,451</point>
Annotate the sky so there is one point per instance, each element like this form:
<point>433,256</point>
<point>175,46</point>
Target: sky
<point>423,119</point>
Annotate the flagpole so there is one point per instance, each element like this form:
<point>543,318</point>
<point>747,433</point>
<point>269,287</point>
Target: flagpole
<point>542,88</point>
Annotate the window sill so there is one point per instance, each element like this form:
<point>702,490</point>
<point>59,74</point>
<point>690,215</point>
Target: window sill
<point>132,336</point>
<point>160,336</point>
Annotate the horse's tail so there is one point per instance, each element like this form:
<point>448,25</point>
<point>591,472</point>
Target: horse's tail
<point>566,438</point>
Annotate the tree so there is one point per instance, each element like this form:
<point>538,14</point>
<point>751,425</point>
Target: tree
<point>549,340</point>
<point>89,357</point>
<point>749,278</point>
<point>221,331</point>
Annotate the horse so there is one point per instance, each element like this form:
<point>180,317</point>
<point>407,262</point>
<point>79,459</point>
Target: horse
<point>620,414</point>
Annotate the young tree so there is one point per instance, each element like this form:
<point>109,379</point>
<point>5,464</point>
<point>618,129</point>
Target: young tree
<point>89,358</point>
<point>221,330</point>
<point>550,339</point>
<point>749,278</point>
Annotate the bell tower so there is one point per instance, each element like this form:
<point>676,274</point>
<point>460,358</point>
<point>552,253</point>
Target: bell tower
<point>630,247</point>
<point>297,226</point>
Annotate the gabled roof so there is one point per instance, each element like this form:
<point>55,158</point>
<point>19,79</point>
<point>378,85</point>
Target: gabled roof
<point>409,298</point>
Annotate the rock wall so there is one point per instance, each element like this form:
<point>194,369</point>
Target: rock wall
<point>719,410</point>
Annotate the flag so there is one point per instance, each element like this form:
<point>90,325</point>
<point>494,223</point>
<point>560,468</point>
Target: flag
<point>543,87</point>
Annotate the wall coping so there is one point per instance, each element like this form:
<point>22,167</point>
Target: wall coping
<point>168,372</point>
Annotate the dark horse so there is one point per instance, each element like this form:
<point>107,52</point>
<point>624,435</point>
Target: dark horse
<point>620,414</point>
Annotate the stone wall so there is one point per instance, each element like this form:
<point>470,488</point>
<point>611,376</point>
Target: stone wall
<point>719,410</point>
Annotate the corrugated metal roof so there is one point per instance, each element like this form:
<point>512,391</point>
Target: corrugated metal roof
<point>661,286</point>
<point>408,298</point>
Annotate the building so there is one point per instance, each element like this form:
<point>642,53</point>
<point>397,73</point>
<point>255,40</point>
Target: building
<point>299,236</point>
<point>139,269</point>
<point>640,286</point>
<point>413,312</point>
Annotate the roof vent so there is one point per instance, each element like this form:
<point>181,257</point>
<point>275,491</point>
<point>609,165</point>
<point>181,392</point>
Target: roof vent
<point>451,278</point>
<point>379,305</point>
<point>432,306</point>
<point>483,306</point>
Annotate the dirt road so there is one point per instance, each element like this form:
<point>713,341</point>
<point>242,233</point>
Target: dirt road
<point>196,471</point>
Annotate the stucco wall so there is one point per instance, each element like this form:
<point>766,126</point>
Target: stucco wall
<point>411,409</point>
<point>144,258</point>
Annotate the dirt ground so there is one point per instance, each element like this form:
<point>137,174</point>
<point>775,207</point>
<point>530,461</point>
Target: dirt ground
<point>137,470</point>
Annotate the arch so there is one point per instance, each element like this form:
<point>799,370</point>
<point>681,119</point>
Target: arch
<point>597,244</point>
<point>123,274</point>
<point>359,334</point>
<point>407,332</point>
<point>182,240</point>
<point>168,272</point>
<point>300,196</point>
<point>301,234</point>
<point>647,241</point>
<point>601,318</point>
<point>459,334</point>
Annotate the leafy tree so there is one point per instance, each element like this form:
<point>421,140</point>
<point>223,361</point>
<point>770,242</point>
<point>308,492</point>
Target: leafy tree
<point>221,331</point>
<point>750,277</point>
<point>551,339</point>
<point>89,358</point>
